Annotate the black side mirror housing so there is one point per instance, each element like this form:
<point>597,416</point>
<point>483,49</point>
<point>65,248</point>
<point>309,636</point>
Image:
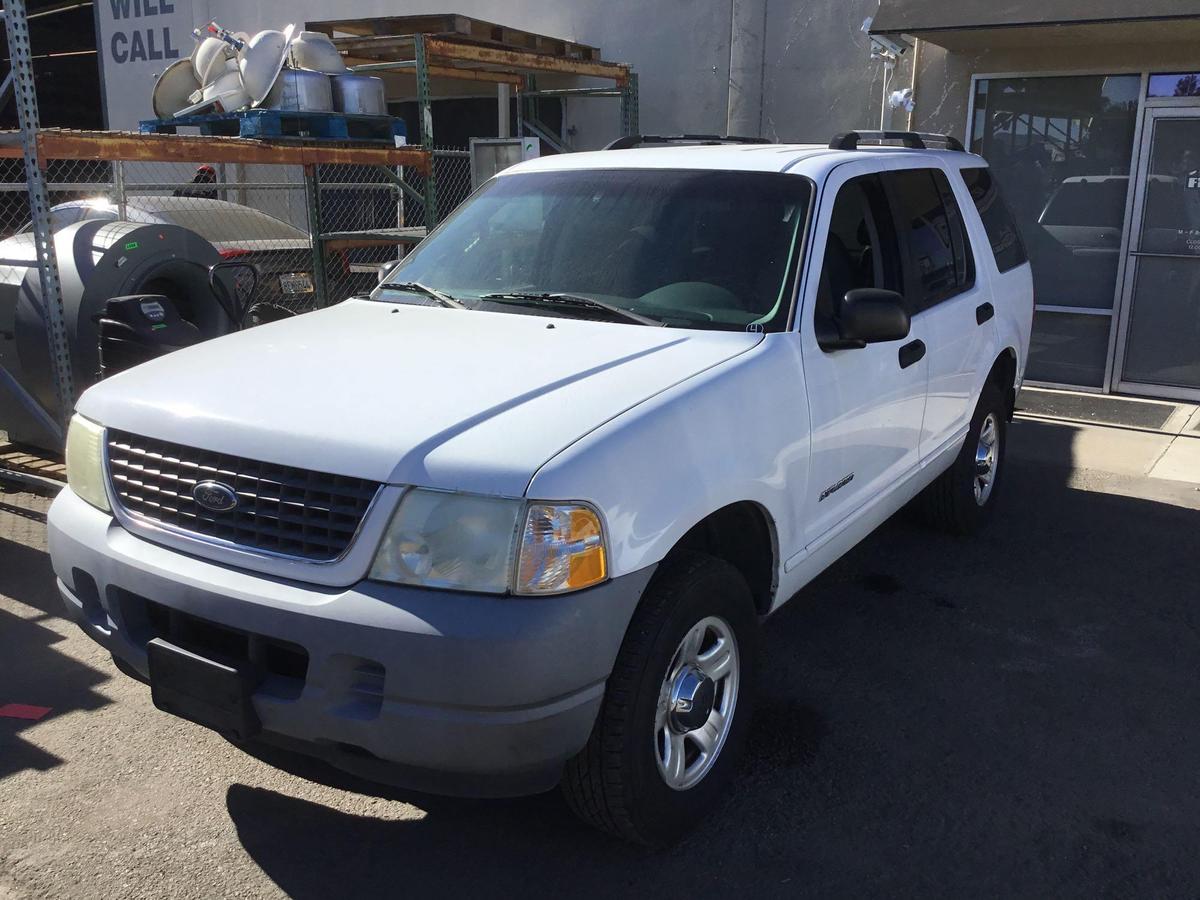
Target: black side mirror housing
<point>868,316</point>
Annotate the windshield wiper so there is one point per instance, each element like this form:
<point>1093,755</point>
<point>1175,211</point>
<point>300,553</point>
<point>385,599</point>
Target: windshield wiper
<point>415,287</point>
<point>571,300</point>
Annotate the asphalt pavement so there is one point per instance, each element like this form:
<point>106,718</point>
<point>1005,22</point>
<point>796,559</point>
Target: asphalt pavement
<point>1015,715</point>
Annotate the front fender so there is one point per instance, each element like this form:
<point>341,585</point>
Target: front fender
<point>736,432</point>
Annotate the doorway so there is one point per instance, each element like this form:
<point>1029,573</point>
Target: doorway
<point>1158,339</point>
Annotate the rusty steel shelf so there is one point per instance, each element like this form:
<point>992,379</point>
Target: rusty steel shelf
<point>58,143</point>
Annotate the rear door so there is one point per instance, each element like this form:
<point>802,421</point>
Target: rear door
<point>949,300</point>
<point>866,404</point>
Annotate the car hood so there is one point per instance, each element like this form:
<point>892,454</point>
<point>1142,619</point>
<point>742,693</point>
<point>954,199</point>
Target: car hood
<point>443,398</point>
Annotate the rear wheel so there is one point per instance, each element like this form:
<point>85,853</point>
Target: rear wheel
<point>675,713</point>
<point>963,497</point>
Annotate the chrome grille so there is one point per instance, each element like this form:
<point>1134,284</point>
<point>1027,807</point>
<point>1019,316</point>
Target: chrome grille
<point>281,509</point>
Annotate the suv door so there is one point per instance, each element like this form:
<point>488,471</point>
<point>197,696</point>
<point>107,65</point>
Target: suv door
<point>949,300</point>
<point>866,405</point>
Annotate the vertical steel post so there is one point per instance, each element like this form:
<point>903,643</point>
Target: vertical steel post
<point>316,230</point>
<point>629,106</point>
<point>425,104</point>
<point>25,94</point>
<point>119,189</point>
<point>503,112</point>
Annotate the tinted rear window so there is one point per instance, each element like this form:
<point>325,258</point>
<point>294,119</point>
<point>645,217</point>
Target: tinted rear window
<point>998,222</point>
<point>936,243</point>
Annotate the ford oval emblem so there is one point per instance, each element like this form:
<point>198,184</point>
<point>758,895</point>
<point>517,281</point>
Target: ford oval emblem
<point>214,496</point>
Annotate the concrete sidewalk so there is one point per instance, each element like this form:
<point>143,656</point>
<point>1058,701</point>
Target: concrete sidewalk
<point>1156,465</point>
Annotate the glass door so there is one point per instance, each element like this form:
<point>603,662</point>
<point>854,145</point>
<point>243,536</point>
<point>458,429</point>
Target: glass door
<point>1158,343</point>
<point>1062,149</point>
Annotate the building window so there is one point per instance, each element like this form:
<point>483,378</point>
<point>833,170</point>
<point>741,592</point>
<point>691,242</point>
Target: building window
<point>1061,148</point>
<point>1175,84</point>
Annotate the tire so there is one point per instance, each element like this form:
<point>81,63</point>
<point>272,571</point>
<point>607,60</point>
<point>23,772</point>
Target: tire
<point>959,502</point>
<point>618,783</point>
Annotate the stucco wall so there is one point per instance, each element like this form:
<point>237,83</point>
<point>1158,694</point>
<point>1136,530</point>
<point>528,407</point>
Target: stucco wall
<point>820,77</point>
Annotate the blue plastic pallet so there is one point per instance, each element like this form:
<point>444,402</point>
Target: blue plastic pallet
<point>285,123</point>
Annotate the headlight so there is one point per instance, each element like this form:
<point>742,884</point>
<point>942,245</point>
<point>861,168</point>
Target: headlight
<point>446,540</point>
<point>468,542</point>
<point>85,461</point>
<point>562,549</point>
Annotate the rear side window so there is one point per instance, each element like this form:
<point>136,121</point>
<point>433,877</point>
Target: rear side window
<point>937,243</point>
<point>998,222</point>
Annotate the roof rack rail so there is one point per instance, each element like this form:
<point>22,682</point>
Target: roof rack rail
<point>638,140</point>
<point>916,140</point>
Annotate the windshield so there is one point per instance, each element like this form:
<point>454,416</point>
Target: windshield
<point>1095,203</point>
<point>695,249</point>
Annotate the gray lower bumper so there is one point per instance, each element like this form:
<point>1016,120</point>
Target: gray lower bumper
<point>433,690</point>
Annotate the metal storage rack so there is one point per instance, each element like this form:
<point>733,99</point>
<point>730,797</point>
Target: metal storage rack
<point>37,147</point>
<point>467,49</point>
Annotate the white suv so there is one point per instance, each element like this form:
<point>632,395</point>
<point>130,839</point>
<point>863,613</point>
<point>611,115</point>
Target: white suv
<point>515,519</point>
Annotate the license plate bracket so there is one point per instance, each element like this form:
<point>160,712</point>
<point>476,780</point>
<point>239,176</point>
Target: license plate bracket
<point>296,283</point>
<point>211,692</point>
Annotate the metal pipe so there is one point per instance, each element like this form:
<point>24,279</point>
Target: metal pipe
<point>575,92</point>
<point>119,188</point>
<point>503,113</point>
<point>384,66</point>
<point>747,48</point>
<point>912,86</point>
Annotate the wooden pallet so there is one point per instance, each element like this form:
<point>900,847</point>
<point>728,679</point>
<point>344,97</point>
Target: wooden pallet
<point>22,460</point>
<point>452,25</point>
<point>275,124</point>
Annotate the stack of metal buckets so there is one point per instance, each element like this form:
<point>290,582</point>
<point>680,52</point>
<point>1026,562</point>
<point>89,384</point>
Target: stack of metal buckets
<point>286,70</point>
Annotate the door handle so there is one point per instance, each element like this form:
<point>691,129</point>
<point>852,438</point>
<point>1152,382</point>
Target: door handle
<point>912,353</point>
<point>983,312</point>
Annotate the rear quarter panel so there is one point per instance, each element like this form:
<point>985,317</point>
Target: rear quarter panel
<point>1011,291</point>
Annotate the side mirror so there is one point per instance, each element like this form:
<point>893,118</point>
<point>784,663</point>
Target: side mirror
<point>386,269</point>
<point>869,316</point>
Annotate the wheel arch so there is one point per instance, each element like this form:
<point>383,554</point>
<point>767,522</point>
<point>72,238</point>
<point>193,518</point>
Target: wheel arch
<point>1003,375</point>
<point>744,535</point>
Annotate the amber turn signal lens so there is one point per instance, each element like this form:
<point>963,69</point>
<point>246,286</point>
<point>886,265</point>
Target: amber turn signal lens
<point>562,549</point>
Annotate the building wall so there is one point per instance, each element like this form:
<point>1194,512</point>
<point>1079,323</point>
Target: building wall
<point>820,78</point>
<point>814,72</point>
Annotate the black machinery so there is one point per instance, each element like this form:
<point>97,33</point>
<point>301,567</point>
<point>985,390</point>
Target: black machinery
<point>141,327</point>
<point>131,292</point>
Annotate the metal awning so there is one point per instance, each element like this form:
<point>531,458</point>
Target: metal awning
<point>970,24</point>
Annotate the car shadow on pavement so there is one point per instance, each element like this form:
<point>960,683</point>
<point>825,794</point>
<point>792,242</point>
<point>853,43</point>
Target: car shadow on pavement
<point>32,670</point>
<point>35,672</point>
<point>1014,714</point>
<point>27,577</point>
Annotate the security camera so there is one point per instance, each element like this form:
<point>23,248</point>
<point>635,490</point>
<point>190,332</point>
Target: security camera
<point>884,44</point>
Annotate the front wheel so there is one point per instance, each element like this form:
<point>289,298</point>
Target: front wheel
<point>677,706</point>
<point>963,497</point>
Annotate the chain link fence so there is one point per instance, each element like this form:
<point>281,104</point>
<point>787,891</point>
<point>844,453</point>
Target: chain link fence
<point>256,213</point>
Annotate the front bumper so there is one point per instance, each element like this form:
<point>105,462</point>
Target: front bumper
<point>433,690</point>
